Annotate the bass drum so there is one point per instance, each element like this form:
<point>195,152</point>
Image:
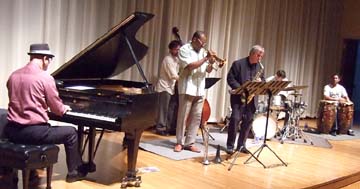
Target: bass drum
<point>259,125</point>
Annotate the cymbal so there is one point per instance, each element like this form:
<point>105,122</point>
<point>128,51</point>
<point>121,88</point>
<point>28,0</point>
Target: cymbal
<point>296,94</point>
<point>292,88</point>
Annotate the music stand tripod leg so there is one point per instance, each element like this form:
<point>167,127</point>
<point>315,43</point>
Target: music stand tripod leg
<point>237,154</point>
<point>264,144</point>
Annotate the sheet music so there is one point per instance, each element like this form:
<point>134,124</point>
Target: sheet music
<point>261,88</point>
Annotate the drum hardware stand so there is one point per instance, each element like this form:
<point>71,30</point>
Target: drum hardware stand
<point>262,88</point>
<point>292,129</point>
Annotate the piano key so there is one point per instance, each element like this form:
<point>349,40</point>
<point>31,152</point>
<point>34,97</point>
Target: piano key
<point>91,116</point>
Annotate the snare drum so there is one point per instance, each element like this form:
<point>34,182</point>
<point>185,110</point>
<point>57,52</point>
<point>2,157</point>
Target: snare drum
<point>345,116</point>
<point>277,103</point>
<point>259,126</point>
<point>326,116</point>
<point>277,100</point>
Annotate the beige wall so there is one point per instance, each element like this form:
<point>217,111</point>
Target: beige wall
<point>351,19</point>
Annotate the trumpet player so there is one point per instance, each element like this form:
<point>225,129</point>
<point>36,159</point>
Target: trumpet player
<point>242,70</point>
<point>195,62</point>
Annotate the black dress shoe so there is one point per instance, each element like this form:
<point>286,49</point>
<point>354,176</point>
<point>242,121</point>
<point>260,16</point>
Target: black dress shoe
<point>75,176</point>
<point>78,174</point>
<point>351,132</point>
<point>229,150</point>
<point>333,133</point>
<point>243,150</point>
<point>172,132</point>
<point>162,133</point>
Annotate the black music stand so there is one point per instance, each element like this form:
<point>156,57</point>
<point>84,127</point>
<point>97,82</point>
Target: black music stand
<point>270,88</point>
<point>248,88</point>
<point>260,88</point>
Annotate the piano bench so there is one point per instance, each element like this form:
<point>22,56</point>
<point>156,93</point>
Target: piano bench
<point>28,157</point>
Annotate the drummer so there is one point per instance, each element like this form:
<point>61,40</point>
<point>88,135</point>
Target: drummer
<point>280,75</point>
<point>336,92</point>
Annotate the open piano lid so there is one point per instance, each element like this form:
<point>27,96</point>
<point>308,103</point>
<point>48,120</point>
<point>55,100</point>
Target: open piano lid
<point>110,54</point>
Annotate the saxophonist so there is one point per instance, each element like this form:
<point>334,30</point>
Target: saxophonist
<point>242,70</point>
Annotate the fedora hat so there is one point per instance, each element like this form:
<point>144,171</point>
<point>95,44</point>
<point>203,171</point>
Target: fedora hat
<point>41,48</point>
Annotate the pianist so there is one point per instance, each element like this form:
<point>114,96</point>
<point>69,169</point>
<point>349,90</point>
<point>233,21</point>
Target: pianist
<point>32,92</point>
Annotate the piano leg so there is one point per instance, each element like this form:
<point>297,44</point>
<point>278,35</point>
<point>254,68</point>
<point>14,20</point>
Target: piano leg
<point>91,164</point>
<point>133,140</point>
<point>91,139</point>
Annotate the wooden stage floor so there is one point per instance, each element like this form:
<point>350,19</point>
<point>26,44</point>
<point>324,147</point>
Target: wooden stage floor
<point>308,167</point>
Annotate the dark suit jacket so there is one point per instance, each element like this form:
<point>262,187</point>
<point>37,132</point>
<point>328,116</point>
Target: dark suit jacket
<point>241,71</point>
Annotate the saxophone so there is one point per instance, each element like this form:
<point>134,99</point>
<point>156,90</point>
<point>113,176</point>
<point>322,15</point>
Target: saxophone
<point>257,76</point>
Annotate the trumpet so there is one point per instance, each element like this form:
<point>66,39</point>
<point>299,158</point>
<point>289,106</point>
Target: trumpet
<point>220,62</point>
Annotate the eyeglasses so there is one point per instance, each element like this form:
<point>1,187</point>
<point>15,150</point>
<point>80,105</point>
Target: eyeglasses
<point>202,44</point>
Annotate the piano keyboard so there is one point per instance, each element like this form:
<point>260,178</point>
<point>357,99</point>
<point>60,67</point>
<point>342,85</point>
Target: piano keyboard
<point>91,116</point>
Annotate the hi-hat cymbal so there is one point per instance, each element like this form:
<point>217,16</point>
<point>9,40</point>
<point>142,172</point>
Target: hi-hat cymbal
<point>293,88</point>
<point>296,94</point>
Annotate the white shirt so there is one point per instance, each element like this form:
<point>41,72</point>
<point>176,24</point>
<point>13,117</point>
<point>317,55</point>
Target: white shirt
<point>191,82</point>
<point>285,93</point>
<point>168,74</point>
<point>335,92</point>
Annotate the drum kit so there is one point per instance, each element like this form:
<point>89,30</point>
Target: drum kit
<point>293,109</point>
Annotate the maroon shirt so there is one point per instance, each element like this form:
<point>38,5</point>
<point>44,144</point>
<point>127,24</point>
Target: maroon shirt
<point>32,91</point>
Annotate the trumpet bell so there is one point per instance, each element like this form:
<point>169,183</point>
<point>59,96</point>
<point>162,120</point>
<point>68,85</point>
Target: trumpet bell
<point>222,63</point>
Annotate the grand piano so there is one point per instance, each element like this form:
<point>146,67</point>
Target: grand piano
<point>99,102</point>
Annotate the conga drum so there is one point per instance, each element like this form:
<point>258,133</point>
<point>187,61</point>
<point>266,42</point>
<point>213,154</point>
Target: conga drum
<point>326,116</point>
<point>345,116</point>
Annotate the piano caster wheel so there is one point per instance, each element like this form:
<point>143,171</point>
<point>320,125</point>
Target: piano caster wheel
<point>134,181</point>
<point>137,183</point>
